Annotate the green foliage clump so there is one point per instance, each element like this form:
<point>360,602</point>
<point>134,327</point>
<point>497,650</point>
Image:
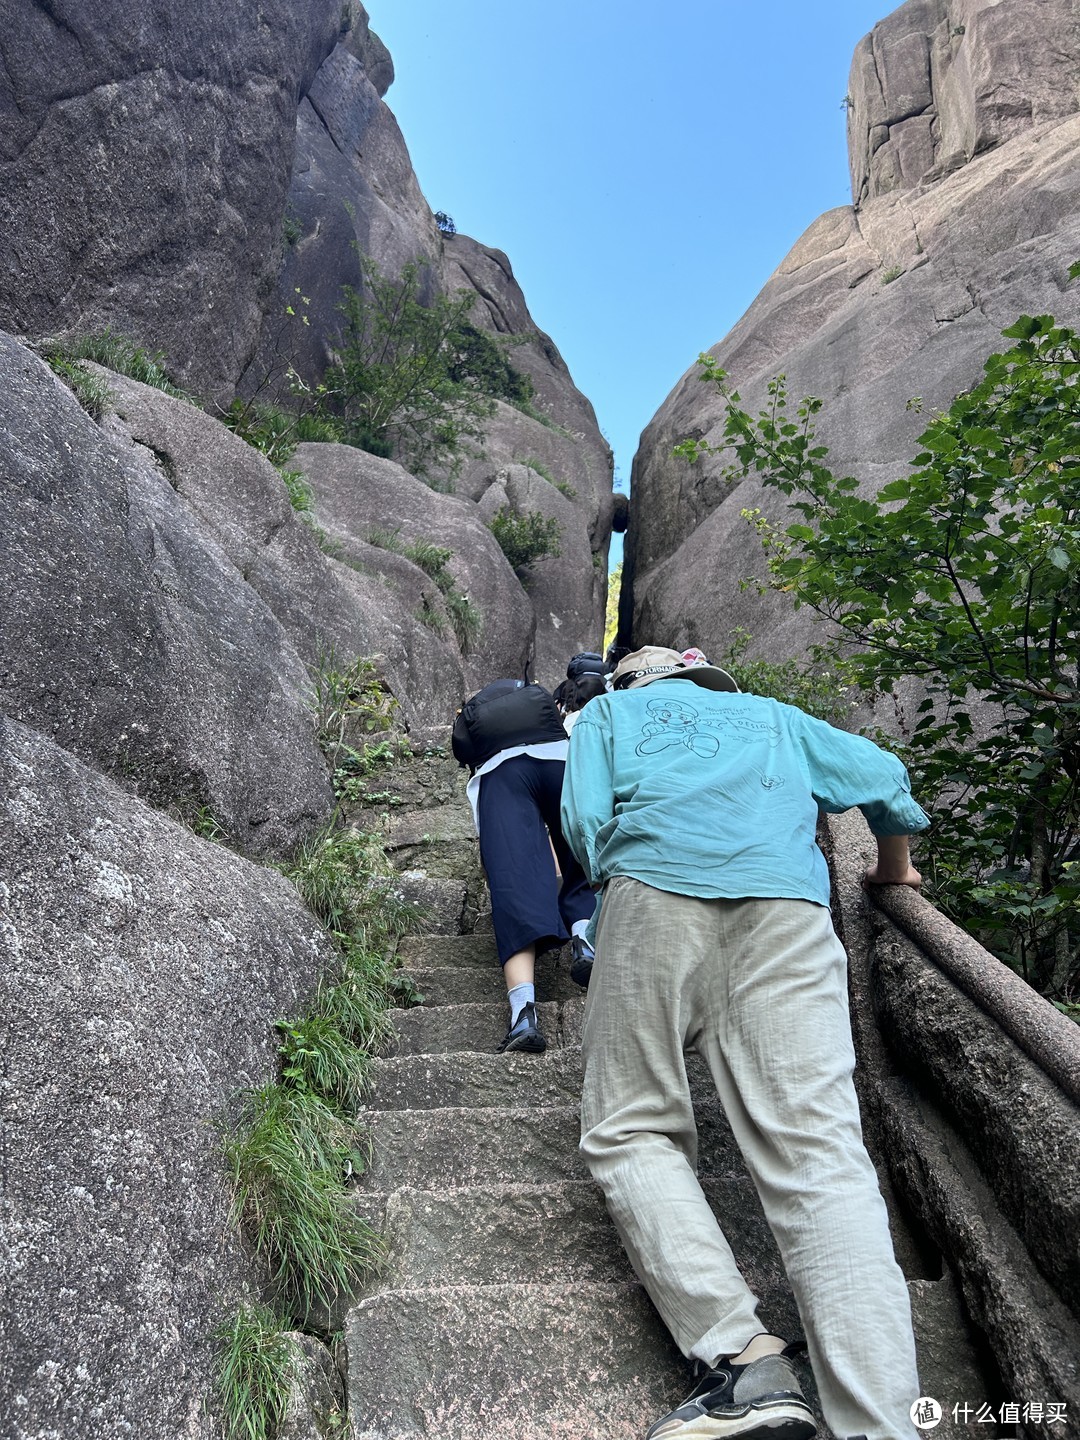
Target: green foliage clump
<point>412,378</point>
<point>348,700</point>
<point>819,691</point>
<point>257,1361</point>
<point>300,494</point>
<point>525,538</point>
<point>344,879</point>
<point>268,428</point>
<point>288,1159</point>
<point>478,358</point>
<point>964,573</point>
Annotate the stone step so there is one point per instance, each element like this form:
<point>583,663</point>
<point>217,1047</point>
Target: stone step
<point>431,1082</point>
<point>430,951</point>
<point>547,1234</point>
<point>532,1362</point>
<point>468,984</point>
<point>439,1029</point>
<point>490,1145</point>
<point>460,1078</point>
<point>476,1146</point>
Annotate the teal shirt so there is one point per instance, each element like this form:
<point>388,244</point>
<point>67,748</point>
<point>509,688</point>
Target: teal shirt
<point>706,793</point>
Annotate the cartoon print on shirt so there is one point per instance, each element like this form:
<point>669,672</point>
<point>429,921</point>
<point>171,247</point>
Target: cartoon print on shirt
<point>675,723</point>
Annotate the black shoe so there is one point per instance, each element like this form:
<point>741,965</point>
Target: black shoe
<point>759,1401</point>
<point>525,1033</point>
<point>581,961</point>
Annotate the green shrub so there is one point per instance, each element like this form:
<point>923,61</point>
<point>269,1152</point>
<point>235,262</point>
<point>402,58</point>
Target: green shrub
<point>963,572</point>
<point>823,692</point>
<point>525,538</point>
<point>268,428</point>
<point>479,358</point>
<point>400,382</point>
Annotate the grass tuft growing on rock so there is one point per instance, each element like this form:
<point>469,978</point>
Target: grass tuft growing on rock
<point>91,391</point>
<point>289,1160</point>
<point>255,1370</point>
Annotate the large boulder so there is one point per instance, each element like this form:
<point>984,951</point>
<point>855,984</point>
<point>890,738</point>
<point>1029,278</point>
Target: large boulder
<point>331,612</point>
<point>359,496</point>
<point>902,297</point>
<point>128,635</point>
<point>142,971</point>
<point>144,167</point>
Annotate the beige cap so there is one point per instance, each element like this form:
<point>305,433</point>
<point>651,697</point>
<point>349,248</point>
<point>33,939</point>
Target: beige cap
<point>653,662</point>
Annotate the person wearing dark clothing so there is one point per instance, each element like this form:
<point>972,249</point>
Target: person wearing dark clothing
<point>515,794</point>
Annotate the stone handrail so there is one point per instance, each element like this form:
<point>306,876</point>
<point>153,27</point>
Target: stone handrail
<point>1050,1038</point>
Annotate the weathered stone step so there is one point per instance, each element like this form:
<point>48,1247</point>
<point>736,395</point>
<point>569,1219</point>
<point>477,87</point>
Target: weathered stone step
<point>474,1146</point>
<point>430,1082</point>
<point>429,951</point>
<point>468,984</point>
<point>545,1234</point>
<point>439,1029</point>
<point>532,1362</point>
<point>489,1145</point>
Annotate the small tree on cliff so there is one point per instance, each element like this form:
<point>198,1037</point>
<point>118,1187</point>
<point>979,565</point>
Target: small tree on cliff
<point>412,377</point>
<point>966,574</point>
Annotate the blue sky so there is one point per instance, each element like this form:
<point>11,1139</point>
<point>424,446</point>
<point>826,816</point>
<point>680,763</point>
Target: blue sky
<point>645,167</point>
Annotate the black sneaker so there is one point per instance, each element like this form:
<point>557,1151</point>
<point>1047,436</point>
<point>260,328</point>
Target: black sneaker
<point>525,1033</point>
<point>759,1401</point>
<point>581,961</point>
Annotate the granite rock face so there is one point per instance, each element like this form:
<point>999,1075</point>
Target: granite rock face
<point>184,180</point>
<point>128,635</point>
<point>354,193</point>
<point>330,611</point>
<point>938,82</point>
<point>904,296</point>
<point>155,963</point>
<point>360,496</point>
<point>144,168</point>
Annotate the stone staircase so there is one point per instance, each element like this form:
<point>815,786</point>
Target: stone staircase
<point>507,1308</point>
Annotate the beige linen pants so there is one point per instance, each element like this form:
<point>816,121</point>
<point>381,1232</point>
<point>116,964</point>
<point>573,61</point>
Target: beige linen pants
<point>758,987</point>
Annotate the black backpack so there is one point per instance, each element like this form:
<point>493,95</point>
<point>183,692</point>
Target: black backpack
<point>588,662</point>
<point>503,714</point>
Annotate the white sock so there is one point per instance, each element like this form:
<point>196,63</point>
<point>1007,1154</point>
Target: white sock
<point>519,997</point>
<point>579,927</point>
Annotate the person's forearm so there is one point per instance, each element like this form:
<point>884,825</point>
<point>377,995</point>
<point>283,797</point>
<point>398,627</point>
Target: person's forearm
<point>893,865</point>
